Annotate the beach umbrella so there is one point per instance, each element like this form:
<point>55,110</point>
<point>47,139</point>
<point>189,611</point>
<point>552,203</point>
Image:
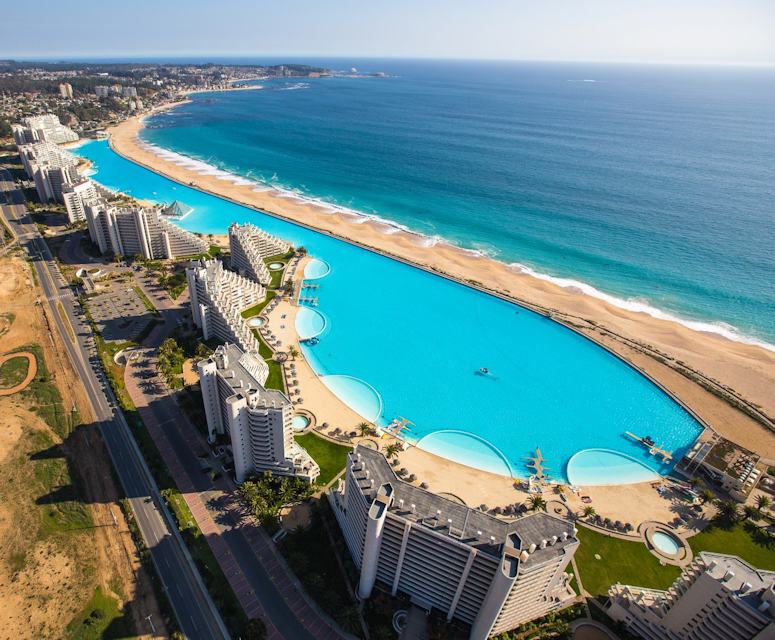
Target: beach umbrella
<point>423,485</point>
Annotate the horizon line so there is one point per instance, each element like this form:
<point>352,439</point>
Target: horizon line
<point>203,58</point>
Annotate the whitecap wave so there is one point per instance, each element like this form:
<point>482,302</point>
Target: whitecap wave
<point>390,227</point>
<point>642,305</point>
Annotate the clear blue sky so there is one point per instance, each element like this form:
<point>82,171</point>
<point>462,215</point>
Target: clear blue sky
<point>703,31</point>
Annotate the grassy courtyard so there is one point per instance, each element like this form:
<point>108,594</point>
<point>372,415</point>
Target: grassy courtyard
<point>331,457</point>
<point>620,561</point>
<point>13,371</point>
<point>741,539</point>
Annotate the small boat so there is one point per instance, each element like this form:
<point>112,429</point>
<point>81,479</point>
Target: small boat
<point>649,441</point>
<point>484,371</point>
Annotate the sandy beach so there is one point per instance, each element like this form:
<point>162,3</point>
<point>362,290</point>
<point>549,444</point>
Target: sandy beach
<point>683,361</point>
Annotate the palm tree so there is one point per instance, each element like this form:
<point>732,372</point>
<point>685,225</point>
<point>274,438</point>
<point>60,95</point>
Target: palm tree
<point>391,451</point>
<point>728,511</point>
<point>588,511</point>
<point>762,502</point>
<point>365,429</point>
<point>293,352</point>
<point>706,495</point>
<point>751,512</point>
<point>537,503</point>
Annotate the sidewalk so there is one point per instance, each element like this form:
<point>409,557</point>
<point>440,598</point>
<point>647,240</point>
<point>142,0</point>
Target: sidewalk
<point>261,580</point>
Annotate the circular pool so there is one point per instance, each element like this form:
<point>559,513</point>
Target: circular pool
<point>299,422</point>
<point>276,266</point>
<point>309,323</point>
<point>466,448</point>
<point>357,394</point>
<point>256,322</point>
<point>606,467</point>
<point>666,543</point>
<point>316,268</point>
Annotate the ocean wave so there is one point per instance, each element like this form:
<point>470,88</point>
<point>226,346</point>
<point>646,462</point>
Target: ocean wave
<point>391,227</point>
<point>642,305</point>
<point>295,86</point>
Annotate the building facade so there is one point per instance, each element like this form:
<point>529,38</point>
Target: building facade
<point>45,128</point>
<point>131,231</point>
<point>717,596</point>
<point>256,420</point>
<point>217,297</point>
<point>75,195</point>
<point>50,168</point>
<point>249,247</point>
<point>485,572</point>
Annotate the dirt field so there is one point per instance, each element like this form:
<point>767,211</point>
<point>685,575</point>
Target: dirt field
<point>68,566</point>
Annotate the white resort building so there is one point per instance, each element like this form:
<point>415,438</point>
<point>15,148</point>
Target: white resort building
<point>256,420</point>
<point>50,168</point>
<point>130,231</point>
<point>217,298</point>
<point>717,596</point>
<point>249,247</point>
<point>488,573</point>
<point>75,195</point>
<point>45,128</point>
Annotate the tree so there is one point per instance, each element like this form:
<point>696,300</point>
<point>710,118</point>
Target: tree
<point>762,502</point>
<point>391,451</point>
<point>707,496</point>
<point>118,258</point>
<point>255,629</point>
<point>727,511</point>
<point>293,352</point>
<point>365,429</point>
<point>588,511</point>
<point>537,503</point>
<point>751,512</point>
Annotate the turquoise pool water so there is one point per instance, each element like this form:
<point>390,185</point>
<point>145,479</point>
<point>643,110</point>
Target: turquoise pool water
<point>316,268</point>
<point>399,341</point>
<point>357,394</point>
<point>300,422</point>
<point>309,323</point>
<point>605,467</point>
<point>665,543</point>
<point>468,449</point>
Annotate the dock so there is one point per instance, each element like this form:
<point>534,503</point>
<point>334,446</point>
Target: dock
<point>654,449</point>
<point>536,463</point>
<point>310,300</point>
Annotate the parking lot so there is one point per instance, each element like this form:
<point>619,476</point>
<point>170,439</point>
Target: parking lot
<point>119,313</point>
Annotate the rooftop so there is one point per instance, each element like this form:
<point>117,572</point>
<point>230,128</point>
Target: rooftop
<point>469,526</point>
<point>241,372</point>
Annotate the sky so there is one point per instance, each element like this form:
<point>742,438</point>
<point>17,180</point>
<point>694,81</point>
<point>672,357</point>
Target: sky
<point>683,31</point>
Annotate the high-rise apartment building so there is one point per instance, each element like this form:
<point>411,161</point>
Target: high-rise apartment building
<point>256,420</point>
<point>217,297</point>
<point>249,246</point>
<point>489,573</point>
<point>716,597</point>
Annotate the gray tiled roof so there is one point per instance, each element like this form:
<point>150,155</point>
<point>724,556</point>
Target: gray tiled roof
<point>471,526</point>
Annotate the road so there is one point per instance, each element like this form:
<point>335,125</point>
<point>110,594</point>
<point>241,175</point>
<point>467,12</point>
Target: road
<point>195,611</point>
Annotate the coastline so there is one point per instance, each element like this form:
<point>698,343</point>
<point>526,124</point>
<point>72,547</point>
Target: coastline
<point>639,338</point>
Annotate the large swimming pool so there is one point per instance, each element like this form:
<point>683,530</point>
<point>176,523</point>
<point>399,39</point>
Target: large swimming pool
<point>398,341</point>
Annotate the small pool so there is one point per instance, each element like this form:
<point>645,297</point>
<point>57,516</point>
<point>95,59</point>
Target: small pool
<point>666,543</point>
<point>316,268</point>
<point>606,467</point>
<point>256,322</point>
<point>276,266</point>
<point>466,448</point>
<point>299,422</point>
<point>309,323</point>
<point>357,394</point>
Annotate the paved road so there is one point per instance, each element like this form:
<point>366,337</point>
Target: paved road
<point>194,609</point>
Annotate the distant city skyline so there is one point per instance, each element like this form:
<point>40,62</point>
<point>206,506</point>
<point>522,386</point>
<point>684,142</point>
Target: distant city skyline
<point>661,31</point>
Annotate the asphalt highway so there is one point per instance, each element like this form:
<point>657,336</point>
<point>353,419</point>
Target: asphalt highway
<point>195,611</point>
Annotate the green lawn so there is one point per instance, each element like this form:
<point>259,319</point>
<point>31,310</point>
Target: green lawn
<point>277,276</point>
<point>145,300</point>
<point>331,457</point>
<point>45,399</point>
<point>620,561</point>
<point>100,619</point>
<point>256,309</point>
<point>739,540</point>
<point>13,371</point>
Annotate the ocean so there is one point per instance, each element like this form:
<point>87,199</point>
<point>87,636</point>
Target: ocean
<point>651,186</point>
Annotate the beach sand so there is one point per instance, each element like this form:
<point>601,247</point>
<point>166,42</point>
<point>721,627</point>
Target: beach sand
<point>651,344</point>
